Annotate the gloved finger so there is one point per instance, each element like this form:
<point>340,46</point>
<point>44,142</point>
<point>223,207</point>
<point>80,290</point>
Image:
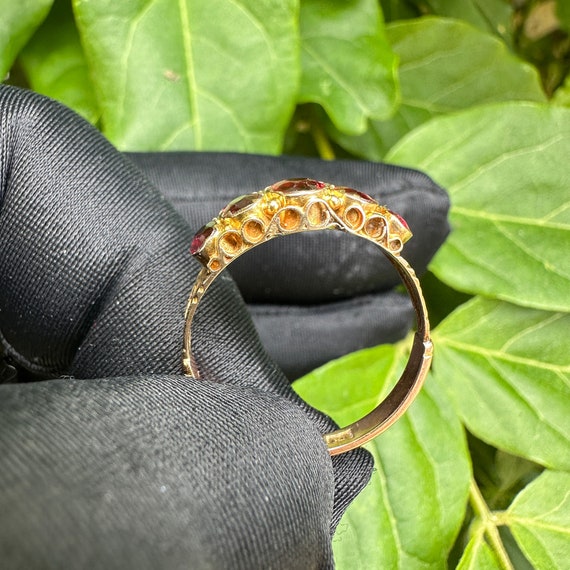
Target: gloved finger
<point>301,338</point>
<point>313,297</point>
<point>309,268</point>
<point>95,262</point>
<point>160,472</point>
<point>95,270</point>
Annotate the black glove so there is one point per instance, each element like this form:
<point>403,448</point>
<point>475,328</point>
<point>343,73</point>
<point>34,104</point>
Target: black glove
<point>313,297</point>
<point>142,467</point>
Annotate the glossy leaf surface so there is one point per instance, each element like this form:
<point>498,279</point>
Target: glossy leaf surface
<point>18,21</point>
<point>215,76</point>
<point>478,555</point>
<point>60,72</point>
<point>505,167</point>
<point>421,460</point>
<point>445,65</point>
<point>348,66</point>
<point>507,369</point>
<point>539,518</point>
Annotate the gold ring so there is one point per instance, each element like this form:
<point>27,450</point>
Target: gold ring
<point>301,205</point>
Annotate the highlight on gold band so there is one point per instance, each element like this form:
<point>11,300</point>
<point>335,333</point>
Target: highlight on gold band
<point>300,205</point>
<point>290,206</point>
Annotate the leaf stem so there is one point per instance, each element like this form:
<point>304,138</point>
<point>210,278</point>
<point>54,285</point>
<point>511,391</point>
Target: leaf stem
<point>322,142</point>
<point>490,522</point>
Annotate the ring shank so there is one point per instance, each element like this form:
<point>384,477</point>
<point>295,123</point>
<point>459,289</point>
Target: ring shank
<point>391,408</point>
<point>400,397</point>
<point>407,387</point>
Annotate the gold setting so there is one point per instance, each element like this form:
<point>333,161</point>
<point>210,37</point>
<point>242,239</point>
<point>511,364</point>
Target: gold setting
<point>301,205</point>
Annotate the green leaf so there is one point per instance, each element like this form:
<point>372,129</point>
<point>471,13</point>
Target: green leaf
<point>440,298</point>
<point>478,555</point>
<point>493,16</point>
<point>507,369</point>
<point>398,10</point>
<point>445,65</point>
<point>55,64</point>
<point>513,474</point>
<point>562,95</point>
<point>220,75</point>
<point>505,167</point>
<point>563,13</point>
<point>500,476</point>
<point>539,519</point>
<point>411,511</point>
<point>332,388</point>
<point>18,22</point>
<point>347,64</point>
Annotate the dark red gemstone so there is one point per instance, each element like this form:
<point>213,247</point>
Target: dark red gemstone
<point>297,184</point>
<point>239,204</point>
<point>402,221</point>
<point>361,195</point>
<point>200,238</point>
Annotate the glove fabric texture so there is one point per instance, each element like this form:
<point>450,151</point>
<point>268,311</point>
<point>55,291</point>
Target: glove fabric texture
<point>109,456</point>
<point>328,293</point>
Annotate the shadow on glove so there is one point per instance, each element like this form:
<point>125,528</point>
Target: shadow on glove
<point>94,275</point>
<point>318,296</point>
<point>161,472</point>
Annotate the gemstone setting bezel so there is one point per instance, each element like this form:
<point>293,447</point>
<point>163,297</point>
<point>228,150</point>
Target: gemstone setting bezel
<point>290,206</point>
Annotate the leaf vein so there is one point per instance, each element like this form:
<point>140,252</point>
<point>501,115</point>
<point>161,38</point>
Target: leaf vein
<point>497,160</point>
<point>481,262</point>
<point>433,466</point>
<point>133,24</point>
<point>240,126</point>
<point>502,355</point>
<point>541,515</point>
<point>556,211</point>
<point>548,267</point>
<point>536,523</point>
<point>527,403</point>
<point>190,72</point>
<point>259,25</point>
<point>340,82</point>
<point>174,135</point>
<point>492,216</point>
<point>530,329</point>
<point>455,141</point>
<point>389,511</point>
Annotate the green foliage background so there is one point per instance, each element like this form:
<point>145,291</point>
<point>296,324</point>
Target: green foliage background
<point>473,92</point>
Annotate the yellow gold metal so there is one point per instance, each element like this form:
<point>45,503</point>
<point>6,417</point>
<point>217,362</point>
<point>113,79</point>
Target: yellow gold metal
<point>301,205</point>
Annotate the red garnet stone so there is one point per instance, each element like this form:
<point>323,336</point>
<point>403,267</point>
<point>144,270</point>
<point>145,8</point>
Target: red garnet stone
<point>297,184</point>
<point>200,238</point>
<point>361,195</point>
<point>402,221</point>
<point>238,204</point>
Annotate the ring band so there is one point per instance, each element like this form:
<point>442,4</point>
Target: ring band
<point>301,205</point>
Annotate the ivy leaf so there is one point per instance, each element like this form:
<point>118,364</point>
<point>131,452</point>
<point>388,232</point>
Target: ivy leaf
<point>562,95</point>
<point>347,64</point>
<point>211,76</point>
<point>539,519</point>
<point>563,13</point>
<point>505,167</point>
<point>18,22</point>
<point>332,388</point>
<point>61,71</point>
<point>478,555</point>
<point>398,10</point>
<point>495,16</point>
<point>421,460</point>
<point>507,369</point>
<point>445,65</point>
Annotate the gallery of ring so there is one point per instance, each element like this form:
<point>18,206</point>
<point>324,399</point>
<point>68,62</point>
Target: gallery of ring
<point>302,205</point>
